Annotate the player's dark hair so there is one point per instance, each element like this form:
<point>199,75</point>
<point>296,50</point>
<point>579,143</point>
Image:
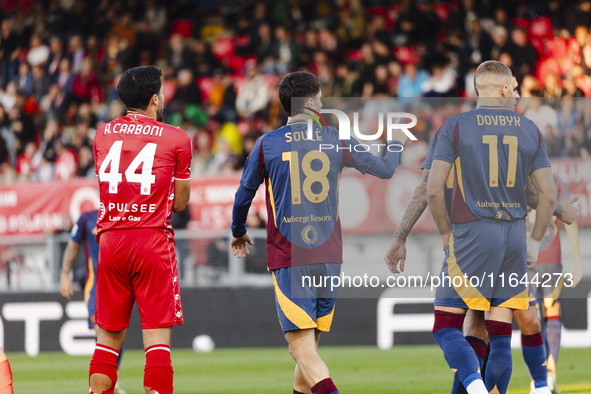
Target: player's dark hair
<point>299,85</point>
<point>137,86</point>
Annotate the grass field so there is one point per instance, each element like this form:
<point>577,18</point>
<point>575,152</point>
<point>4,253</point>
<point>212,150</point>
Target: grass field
<point>404,369</point>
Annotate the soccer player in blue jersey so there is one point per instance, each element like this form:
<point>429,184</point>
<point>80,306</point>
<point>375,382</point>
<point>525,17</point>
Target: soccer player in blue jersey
<point>303,230</point>
<point>493,151</point>
<point>84,232</point>
<point>474,331</point>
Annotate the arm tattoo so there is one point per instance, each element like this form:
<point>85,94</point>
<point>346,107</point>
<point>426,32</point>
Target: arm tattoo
<point>531,194</point>
<point>414,209</point>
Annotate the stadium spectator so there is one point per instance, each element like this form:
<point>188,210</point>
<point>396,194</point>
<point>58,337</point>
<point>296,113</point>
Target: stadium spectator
<point>344,46</point>
<point>178,55</point>
<point>523,54</point>
<point>9,51</point>
<point>38,52</point>
<point>76,53</point>
<point>283,53</point>
<point>24,163</point>
<point>85,86</point>
<point>65,166</point>
<point>56,54</point>
<point>254,95</point>
<point>410,82</point>
<point>41,82</point>
<point>187,92</point>
<point>24,80</point>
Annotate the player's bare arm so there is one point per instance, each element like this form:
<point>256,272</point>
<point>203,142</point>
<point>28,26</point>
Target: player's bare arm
<point>544,183</point>
<point>563,210</point>
<point>240,245</point>
<point>67,262</point>
<point>182,192</point>
<point>436,198</point>
<point>400,136</point>
<point>396,255</point>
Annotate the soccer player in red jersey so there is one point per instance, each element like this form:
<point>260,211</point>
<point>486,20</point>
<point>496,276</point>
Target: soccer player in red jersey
<point>143,168</point>
<point>5,375</point>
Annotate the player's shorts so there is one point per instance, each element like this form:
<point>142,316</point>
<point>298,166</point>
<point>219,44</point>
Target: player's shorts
<point>90,293</point>
<point>545,281</point>
<point>304,296</point>
<point>485,265</point>
<point>137,265</point>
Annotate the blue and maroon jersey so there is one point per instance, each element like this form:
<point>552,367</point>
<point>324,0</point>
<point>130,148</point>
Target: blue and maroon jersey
<point>493,150</point>
<point>301,182</point>
<point>449,184</point>
<point>85,232</point>
<point>550,251</point>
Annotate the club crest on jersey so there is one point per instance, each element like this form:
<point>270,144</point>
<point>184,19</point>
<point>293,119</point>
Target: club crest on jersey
<point>309,234</point>
<point>102,211</point>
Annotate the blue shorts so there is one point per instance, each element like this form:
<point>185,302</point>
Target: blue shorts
<point>304,296</point>
<point>90,293</point>
<point>485,265</point>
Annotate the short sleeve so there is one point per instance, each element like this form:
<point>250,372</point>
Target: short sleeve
<point>429,159</point>
<point>254,169</point>
<point>184,155</point>
<point>444,149</point>
<point>541,157</point>
<point>78,231</point>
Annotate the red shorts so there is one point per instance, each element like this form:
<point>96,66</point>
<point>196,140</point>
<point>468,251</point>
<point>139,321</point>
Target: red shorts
<point>137,265</point>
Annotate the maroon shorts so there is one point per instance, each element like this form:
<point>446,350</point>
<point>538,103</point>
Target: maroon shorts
<point>137,265</point>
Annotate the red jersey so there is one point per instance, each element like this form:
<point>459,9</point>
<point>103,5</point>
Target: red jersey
<point>137,160</point>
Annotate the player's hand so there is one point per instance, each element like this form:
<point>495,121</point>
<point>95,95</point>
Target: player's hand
<point>396,256</point>
<point>533,248</point>
<point>577,273</point>
<point>570,212</point>
<point>240,245</point>
<point>66,286</point>
<point>445,239</point>
<point>399,135</point>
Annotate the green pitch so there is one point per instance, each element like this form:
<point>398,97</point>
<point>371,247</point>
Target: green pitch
<point>404,369</point>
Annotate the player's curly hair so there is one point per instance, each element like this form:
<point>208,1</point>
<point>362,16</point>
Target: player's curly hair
<point>297,85</point>
<point>137,86</point>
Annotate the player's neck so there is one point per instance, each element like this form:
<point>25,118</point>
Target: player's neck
<point>298,118</point>
<point>491,102</point>
<point>147,112</point>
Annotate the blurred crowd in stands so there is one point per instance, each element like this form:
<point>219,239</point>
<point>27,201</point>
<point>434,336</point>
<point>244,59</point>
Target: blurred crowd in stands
<point>222,60</point>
